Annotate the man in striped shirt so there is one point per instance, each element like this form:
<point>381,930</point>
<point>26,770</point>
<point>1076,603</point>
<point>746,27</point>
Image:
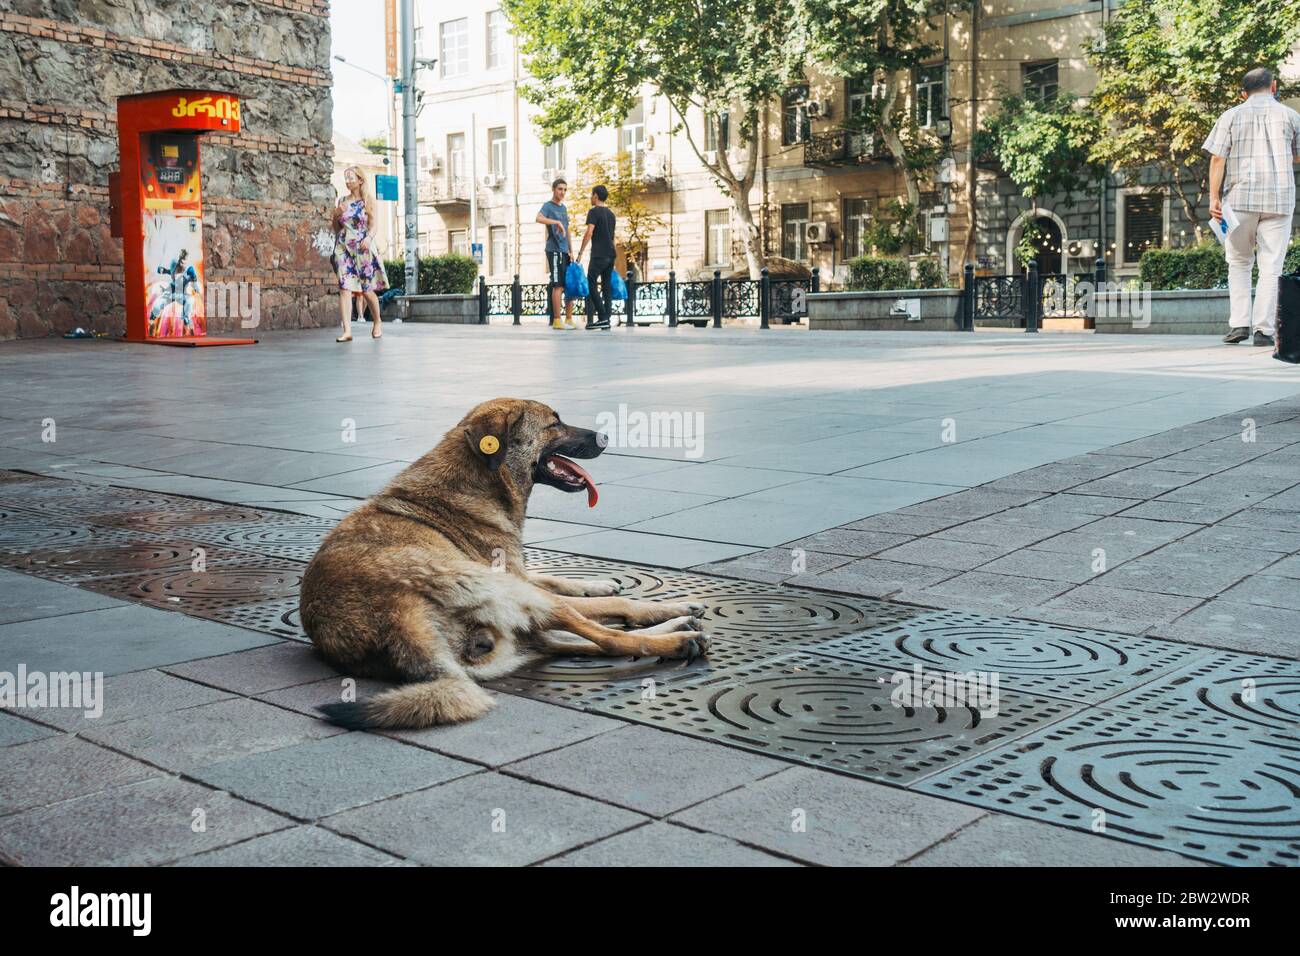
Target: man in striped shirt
<point>1252,148</point>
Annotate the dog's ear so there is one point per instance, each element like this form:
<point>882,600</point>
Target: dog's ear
<point>489,438</point>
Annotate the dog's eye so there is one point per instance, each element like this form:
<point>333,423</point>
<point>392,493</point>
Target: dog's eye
<point>480,645</point>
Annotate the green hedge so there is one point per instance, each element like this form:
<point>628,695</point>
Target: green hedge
<point>438,275</point>
<point>874,273</point>
<point>1197,267</point>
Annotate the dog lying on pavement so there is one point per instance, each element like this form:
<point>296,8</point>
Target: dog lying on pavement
<point>425,585</point>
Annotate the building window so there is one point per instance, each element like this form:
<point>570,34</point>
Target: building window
<point>497,151</point>
<point>454,47</point>
<point>455,160</point>
<point>794,217</point>
<point>857,217</point>
<point>419,41</point>
<point>717,231</point>
<point>795,125</point>
<point>458,242</point>
<point>499,251</point>
<point>717,131</point>
<point>1039,81</point>
<point>931,102</point>
<point>496,32</point>
<point>553,156</point>
<point>859,96</point>
<point>1143,224</point>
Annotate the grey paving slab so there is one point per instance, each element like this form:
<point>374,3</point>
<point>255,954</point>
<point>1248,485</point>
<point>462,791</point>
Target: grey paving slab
<point>1111,609</point>
<point>136,694</point>
<point>873,577</point>
<point>934,552</point>
<point>259,670</point>
<point>776,564</point>
<point>26,598</point>
<point>715,480</point>
<point>647,770</point>
<point>60,768</point>
<point>259,465</point>
<point>316,778</point>
<point>298,846</point>
<point>484,820</point>
<point>16,730</point>
<point>207,734</point>
<point>823,818</point>
<point>144,824</point>
<point>665,844</point>
<point>982,591</point>
<point>117,640</point>
<point>850,542</point>
<point>1253,628</point>
<point>1003,841</point>
<point>514,729</point>
<point>1180,568</point>
<point>619,506</point>
<point>657,549</point>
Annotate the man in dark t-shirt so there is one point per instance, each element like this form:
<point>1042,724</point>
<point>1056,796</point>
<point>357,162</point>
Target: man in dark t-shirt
<point>600,235</point>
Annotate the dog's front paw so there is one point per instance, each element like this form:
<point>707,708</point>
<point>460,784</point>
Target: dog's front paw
<point>601,588</point>
<point>693,644</point>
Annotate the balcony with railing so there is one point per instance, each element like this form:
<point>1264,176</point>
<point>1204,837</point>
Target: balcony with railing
<point>445,191</point>
<point>843,147</point>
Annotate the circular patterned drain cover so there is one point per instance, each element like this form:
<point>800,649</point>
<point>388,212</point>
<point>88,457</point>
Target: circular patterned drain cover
<point>297,540</point>
<point>102,560</point>
<point>201,592</point>
<point>176,517</point>
<point>782,616</point>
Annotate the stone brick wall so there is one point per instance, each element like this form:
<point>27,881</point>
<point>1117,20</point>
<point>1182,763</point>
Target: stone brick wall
<point>267,194</point>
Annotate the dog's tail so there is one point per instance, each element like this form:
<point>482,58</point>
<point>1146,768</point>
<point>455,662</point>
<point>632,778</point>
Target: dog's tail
<point>446,700</point>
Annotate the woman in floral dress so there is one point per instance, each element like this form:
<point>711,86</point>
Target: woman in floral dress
<point>359,269</point>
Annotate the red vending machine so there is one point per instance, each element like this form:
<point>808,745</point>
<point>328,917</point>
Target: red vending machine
<point>157,209</point>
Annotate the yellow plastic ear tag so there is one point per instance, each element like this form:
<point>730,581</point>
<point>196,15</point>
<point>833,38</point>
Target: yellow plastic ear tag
<point>489,444</point>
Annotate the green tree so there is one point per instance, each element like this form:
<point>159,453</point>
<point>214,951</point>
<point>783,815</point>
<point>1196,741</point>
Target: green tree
<point>883,41</point>
<point>376,144</point>
<point>1168,68</point>
<point>628,200</point>
<point>1044,147</point>
<point>719,58</point>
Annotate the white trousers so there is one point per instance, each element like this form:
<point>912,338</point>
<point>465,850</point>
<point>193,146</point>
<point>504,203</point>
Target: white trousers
<point>1269,233</point>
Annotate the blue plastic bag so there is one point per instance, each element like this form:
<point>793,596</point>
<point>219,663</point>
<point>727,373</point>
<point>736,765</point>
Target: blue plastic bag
<point>617,287</point>
<point>575,282</point>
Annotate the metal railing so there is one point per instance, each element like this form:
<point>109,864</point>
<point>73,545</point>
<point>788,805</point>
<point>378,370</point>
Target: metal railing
<point>1026,298</point>
<point>696,302</point>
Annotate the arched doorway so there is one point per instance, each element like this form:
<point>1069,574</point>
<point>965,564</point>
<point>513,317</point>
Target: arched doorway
<point>1048,248</point>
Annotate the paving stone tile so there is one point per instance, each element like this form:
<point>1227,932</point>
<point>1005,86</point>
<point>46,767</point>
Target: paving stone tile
<point>1001,840</point>
<point>976,503</point>
<point>1121,538</point>
<point>25,598</point>
<point>1074,567</point>
<point>1180,568</point>
<point>978,590</point>
<point>210,733</point>
<point>1111,609</point>
<point>117,640</point>
<point>308,698</point>
<point>1183,511</point>
<point>260,670</point>
<point>873,577</point>
<point>1137,483</point>
<point>298,846</point>
<point>1051,514</point>
<point>846,541</point>
<point>665,844</point>
<point>319,777</point>
<point>143,824</point>
<point>777,563</point>
<point>895,522</point>
<point>16,730</point>
<point>824,818</point>
<point>59,768</point>
<point>514,729</point>
<point>1253,628</point>
<point>644,769</point>
<point>1265,538</point>
<point>1089,504</point>
<point>940,553</point>
<point>994,531</point>
<point>484,820</point>
<point>1287,567</point>
<point>1220,490</point>
<point>138,694</point>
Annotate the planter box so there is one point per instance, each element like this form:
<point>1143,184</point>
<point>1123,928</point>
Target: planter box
<point>450,309</point>
<point>928,310</point>
<point>1172,312</point>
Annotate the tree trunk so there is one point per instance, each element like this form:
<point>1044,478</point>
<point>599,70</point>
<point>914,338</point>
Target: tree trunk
<point>753,251</point>
<point>1189,204</point>
<point>898,150</point>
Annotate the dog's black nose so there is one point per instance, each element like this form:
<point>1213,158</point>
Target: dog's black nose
<point>480,645</point>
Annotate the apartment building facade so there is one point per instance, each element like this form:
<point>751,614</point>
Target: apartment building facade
<point>485,171</point>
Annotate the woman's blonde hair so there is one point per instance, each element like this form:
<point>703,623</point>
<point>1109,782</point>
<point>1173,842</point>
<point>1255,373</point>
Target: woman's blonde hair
<point>367,196</point>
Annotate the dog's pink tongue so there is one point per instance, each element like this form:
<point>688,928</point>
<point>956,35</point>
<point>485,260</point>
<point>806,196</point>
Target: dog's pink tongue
<point>592,494</point>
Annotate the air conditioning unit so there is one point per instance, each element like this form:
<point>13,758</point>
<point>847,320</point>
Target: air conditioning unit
<point>711,157</point>
<point>817,233</point>
<point>820,109</point>
<point>491,180</point>
<point>1082,249</point>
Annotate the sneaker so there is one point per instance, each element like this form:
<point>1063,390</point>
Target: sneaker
<point>598,325</point>
<point>557,324</point>
<point>569,325</point>
<point>1236,335</point>
<point>1262,339</point>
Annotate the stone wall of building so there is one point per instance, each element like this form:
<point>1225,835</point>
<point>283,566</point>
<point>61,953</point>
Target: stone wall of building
<point>267,194</point>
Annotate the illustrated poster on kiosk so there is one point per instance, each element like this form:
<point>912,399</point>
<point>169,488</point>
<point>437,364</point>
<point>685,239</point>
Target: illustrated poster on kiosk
<point>172,215</point>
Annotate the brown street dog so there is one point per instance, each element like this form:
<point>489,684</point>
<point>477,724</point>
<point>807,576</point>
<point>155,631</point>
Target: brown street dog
<point>425,583</point>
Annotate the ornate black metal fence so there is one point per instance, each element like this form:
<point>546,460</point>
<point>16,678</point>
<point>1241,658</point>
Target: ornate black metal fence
<point>697,302</point>
<point>1028,298</point>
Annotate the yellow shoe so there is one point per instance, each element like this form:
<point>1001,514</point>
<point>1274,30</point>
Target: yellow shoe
<point>570,326</point>
<point>557,324</point>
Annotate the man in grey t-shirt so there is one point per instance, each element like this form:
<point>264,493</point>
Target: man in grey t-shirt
<point>559,252</point>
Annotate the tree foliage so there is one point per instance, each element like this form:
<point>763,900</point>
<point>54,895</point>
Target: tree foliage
<point>628,200</point>
<point>1044,147</point>
<point>1168,68</point>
